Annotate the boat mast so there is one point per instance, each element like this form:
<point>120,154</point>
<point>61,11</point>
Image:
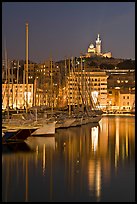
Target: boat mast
<point>65,71</point>
<point>27,67</point>
<point>78,82</point>
<point>24,88</point>
<point>8,89</point>
<point>17,85</point>
<point>12,84</point>
<point>6,67</point>
<point>51,88</point>
<point>7,80</point>
<point>34,92</point>
<point>82,84</point>
<point>72,74</point>
<point>69,89</point>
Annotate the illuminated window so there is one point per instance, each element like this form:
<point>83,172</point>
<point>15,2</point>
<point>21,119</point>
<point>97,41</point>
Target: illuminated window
<point>118,81</point>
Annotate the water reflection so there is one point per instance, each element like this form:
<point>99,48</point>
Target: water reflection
<point>94,135</point>
<point>15,147</point>
<point>78,164</point>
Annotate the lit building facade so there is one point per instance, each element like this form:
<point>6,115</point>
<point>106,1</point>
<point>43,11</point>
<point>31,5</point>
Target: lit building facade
<point>121,92</point>
<point>121,100</point>
<point>86,86</point>
<point>16,94</point>
<point>126,100</point>
<point>32,68</point>
<point>17,98</point>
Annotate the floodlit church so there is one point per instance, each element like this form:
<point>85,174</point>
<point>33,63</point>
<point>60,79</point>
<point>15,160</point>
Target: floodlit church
<point>93,51</point>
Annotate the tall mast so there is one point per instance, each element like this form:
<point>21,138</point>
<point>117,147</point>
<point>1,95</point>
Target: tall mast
<point>12,84</point>
<point>27,67</point>
<point>6,67</point>
<point>24,103</point>
<point>69,90</point>
<point>51,89</point>
<point>34,92</point>
<point>82,84</point>
<point>78,87</point>
<point>65,71</point>
<point>7,80</point>
<point>17,85</point>
<point>8,88</point>
<point>72,71</point>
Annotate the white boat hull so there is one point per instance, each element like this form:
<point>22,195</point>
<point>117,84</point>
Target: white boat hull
<point>45,129</point>
<point>66,123</point>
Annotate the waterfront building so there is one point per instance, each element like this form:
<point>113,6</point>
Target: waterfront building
<point>86,85</point>
<point>121,92</point>
<point>121,100</point>
<point>50,74</point>
<point>126,100</point>
<point>41,74</point>
<point>45,69</point>
<point>32,71</point>
<point>15,96</point>
<point>40,71</point>
<point>119,71</point>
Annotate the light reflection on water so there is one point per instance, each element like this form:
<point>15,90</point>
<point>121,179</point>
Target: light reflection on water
<point>79,164</point>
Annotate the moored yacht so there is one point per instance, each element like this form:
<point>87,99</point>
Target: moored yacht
<point>16,134</point>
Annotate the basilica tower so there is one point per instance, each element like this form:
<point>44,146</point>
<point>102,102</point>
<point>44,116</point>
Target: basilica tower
<point>98,45</point>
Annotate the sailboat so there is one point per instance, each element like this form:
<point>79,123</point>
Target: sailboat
<point>18,129</point>
<point>64,119</point>
<point>10,134</point>
<point>45,126</point>
<point>82,114</point>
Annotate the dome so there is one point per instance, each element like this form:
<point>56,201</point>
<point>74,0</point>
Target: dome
<point>91,46</point>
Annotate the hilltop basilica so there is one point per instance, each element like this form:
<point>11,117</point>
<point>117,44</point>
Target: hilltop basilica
<point>93,51</point>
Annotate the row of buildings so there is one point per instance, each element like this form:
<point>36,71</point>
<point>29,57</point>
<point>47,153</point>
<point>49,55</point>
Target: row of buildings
<point>70,83</point>
<point>55,85</point>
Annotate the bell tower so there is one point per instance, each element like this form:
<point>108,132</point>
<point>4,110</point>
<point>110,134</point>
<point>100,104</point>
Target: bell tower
<point>98,45</point>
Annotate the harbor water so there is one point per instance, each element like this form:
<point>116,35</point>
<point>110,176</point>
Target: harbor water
<point>77,164</point>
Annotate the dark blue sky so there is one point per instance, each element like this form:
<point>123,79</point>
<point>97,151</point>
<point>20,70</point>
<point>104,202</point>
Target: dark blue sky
<point>60,29</point>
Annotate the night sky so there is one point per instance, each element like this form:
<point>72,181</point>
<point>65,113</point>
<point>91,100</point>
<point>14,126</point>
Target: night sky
<point>66,29</point>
